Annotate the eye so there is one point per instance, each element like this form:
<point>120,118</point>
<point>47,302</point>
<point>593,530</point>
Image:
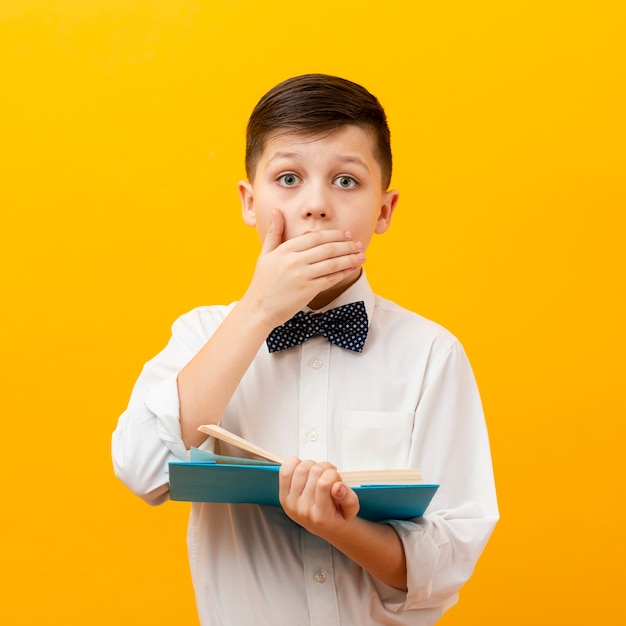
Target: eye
<point>288,180</point>
<point>346,182</point>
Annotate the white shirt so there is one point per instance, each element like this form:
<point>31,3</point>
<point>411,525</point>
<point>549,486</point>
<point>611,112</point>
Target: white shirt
<point>408,400</point>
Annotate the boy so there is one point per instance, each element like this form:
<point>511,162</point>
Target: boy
<point>398,392</point>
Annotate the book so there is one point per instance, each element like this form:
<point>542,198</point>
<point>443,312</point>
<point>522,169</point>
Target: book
<point>351,478</point>
<point>210,477</point>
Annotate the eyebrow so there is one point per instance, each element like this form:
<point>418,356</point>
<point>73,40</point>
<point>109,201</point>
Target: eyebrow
<point>283,155</point>
<point>340,158</point>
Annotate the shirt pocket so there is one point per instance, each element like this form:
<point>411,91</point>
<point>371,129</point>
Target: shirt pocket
<point>376,440</point>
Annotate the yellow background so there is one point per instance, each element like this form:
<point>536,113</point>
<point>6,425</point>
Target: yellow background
<point>121,141</point>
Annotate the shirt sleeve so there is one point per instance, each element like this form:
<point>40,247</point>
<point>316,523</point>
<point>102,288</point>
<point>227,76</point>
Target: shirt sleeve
<point>451,447</point>
<point>148,434</point>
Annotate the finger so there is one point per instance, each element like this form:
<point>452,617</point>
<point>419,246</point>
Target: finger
<point>345,251</point>
<point>324,274</point>
<point>345,499</point>
<point>301,479</point>
<point>286,470</point>
<point>292,476</point>
<point>275,232</point>
<point>320,480</point>
<point>316,238</point>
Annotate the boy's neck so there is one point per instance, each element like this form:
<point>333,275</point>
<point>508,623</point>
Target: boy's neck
<point>326,297</point>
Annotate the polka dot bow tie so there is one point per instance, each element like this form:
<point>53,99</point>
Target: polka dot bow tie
<point>345,326</point>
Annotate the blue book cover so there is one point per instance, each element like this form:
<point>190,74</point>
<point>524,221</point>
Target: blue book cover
<point>239,481</point>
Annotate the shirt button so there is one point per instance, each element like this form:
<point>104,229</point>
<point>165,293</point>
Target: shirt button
<point>317,364</point>
<point>320,576</point>
<point>313,435</point>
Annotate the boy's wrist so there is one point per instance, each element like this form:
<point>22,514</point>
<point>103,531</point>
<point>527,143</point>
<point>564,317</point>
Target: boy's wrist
<point>256,314</point>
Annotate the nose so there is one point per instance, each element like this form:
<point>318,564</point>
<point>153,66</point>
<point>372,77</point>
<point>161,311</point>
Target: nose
<point>315,212</point>
<point>316,204</point>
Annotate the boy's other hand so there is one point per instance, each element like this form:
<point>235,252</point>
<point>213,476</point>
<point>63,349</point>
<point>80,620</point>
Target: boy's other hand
<point>290,274</point>
<point>313,495</point>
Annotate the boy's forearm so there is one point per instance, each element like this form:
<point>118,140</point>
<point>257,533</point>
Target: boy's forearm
<point>207,383</point>
<point>376,547</point>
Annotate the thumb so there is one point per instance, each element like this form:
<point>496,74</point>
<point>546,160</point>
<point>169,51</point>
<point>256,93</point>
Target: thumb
<point>274,235</point>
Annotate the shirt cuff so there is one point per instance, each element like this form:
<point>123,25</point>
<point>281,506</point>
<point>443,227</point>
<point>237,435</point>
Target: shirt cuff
<point>162,401</point>
<point>422,557</point>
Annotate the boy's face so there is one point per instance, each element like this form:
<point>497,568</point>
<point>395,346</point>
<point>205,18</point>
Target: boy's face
<point>321,182</point>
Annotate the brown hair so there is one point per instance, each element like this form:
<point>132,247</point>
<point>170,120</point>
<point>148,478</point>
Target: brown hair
<point>314,104</point>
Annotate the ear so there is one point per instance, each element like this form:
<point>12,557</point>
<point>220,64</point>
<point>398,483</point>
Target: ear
<point>246,195</point>
<point>390,200</point>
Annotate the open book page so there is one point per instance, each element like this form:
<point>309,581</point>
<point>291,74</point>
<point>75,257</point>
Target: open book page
<point>239,442</point>
<point>204,456</point>
<point>360,478</point>
<point>351,478</point>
